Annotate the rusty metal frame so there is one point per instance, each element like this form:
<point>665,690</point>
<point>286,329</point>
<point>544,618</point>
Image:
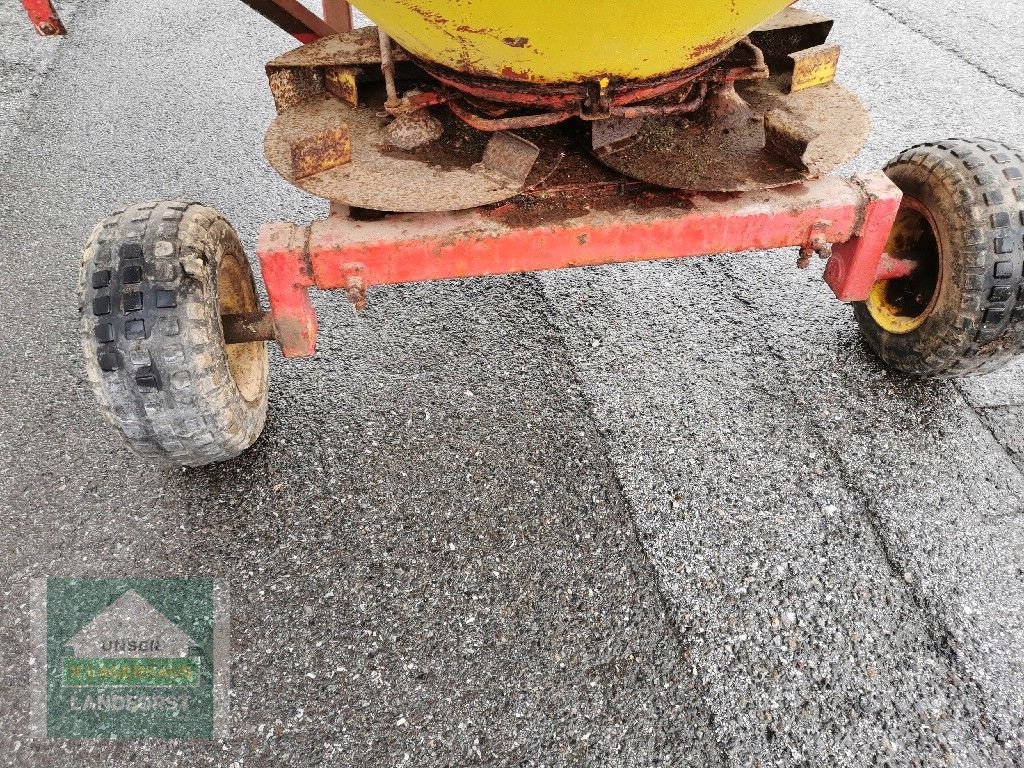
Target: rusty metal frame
<point>292,17</point>
<point>43,17</point>
<point>339,253</point>
<point>846,221</point>
<point>338,15</point>
<point>289,15</point>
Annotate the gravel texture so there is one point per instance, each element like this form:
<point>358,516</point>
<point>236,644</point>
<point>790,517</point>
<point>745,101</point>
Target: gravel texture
<point>665,514</point>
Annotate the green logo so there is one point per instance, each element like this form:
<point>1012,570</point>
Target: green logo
<point>129,658</point>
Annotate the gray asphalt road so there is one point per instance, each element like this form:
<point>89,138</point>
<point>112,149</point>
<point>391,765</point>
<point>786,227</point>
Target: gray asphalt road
<point>668,514</point>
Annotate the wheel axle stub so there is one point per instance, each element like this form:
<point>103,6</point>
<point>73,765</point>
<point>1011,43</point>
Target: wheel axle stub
<point>248,327</point>
<point>902,303</point>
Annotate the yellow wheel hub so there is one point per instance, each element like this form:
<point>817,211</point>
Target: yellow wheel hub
<point>902,305</point>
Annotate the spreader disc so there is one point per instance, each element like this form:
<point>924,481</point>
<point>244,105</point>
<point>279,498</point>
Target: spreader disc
<point>682,153</point>
<point>446,175</point>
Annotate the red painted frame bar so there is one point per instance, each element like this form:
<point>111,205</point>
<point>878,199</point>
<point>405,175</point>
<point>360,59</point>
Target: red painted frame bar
<point>856,264</point>
<point>43,17</point>
<point>294,18</point>
<point>290,15</point>
<point>287,276</point>
<point>339,253</point>
<point>338,15</point>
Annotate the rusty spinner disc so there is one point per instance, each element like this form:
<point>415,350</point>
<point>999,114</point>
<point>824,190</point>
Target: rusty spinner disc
<point>447,175</point>
<point>681,153</point>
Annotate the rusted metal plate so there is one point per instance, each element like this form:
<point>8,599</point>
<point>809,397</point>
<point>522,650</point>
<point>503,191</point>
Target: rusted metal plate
<point>291,87</point>
<point>333,64</point>
<point>342,83</point>
<point>792,30</point>
<point>685,154</point>
<point>813,67</point>
<point>611,133</point>
<point>788,138</point>
<point>838,118</point>
<point>510,157</point>
<point>440,177</point>
<point>360,47</point>
<point>320,151</point>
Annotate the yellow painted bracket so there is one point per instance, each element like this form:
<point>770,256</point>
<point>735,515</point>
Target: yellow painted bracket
<point>814,66</point>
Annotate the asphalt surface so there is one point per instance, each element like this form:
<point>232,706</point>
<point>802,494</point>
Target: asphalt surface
<point>665,514</point>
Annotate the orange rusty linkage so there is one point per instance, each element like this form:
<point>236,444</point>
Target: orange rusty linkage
<point>300,22</point>
<point>338,15</point>
<point>43,17</point>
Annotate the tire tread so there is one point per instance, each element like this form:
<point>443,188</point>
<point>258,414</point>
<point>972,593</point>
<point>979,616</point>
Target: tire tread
<point>196,414</point>
<point>987,332</point>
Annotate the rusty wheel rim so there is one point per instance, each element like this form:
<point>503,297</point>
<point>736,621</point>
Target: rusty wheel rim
<point>902,305</point>
<point>237,295</point>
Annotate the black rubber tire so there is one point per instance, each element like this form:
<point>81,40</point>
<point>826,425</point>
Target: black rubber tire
<point>974,192</point>
<point>150,299</point>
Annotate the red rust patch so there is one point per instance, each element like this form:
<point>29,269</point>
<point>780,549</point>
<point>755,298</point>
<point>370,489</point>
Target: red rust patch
<point>432,16</point>
<point>710,49</point>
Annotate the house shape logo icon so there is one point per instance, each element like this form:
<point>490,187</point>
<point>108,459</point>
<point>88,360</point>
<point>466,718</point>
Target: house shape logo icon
<point>132,658</point>
<point>130,628</point>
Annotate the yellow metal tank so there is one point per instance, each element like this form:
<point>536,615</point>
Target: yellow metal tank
<point>568,41</point>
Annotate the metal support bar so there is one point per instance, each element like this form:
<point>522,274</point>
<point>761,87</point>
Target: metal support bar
<point>339,253</point>
<point>387,67</point>
<point>286,273</point>
<point>290,15</point>
<point>857,263</point>
<point>294,18</point>
<point>338,15</point>
<point>43,17</point>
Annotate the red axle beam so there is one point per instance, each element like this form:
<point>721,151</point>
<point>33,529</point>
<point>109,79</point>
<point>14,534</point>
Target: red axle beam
<point>854,215</point>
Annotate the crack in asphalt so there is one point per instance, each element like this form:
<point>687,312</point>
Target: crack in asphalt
<point>41,67</point>
<point>939,632</point>
<point>667,607</point>
<point>976,411</point>
<point>953,51</point>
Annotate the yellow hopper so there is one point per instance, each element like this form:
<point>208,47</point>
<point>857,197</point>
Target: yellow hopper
<point>566,41</point>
